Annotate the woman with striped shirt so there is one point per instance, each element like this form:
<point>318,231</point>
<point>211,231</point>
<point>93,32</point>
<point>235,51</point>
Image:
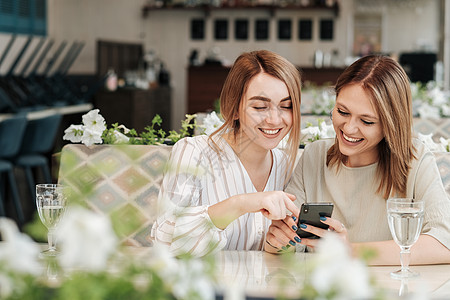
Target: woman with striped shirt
<point>222,191</point>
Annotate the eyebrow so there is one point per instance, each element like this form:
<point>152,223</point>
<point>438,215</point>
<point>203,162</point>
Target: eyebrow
<point>363,115</point>
<point>262,98</point>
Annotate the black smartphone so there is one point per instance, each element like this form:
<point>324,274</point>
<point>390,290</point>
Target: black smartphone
<point>310,214</point>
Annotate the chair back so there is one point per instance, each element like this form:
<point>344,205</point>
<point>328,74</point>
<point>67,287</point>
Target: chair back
<point>40,134</point>
<point>11,135</point>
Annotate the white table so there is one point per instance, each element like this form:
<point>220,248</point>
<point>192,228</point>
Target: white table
<point>259,274</point>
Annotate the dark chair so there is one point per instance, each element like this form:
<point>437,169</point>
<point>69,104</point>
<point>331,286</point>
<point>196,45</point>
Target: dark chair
<point>11,134</point>
<point>37,143</point>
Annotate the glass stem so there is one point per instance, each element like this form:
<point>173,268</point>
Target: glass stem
<point>405,257</point>
<point>51,241</point>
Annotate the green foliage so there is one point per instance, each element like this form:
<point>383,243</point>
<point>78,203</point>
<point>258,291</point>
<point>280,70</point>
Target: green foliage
<point>35,229</point>
<point>217,105</point>
<point>134,283</point>
<point>187,126</point>
<point>153,134</point>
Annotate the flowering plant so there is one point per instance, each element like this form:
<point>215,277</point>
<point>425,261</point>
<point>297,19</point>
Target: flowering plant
<point>427,139</point>
<point>93,265</point>
<point>211,123</point>
<point>336,274</point>
<point>323,103</point>
<point>430,100</point>
<point>313,133</point>
<point>94,131</point>
<point>90,132</point>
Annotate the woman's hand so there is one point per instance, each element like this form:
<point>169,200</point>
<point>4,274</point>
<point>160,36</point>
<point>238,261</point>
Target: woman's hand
<point>277,205</point>
<point>282,235</point>
<point>334,225</point>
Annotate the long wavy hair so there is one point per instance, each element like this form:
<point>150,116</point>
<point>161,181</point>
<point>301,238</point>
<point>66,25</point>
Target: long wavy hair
<point>388,88</point>
<point>247,66</point>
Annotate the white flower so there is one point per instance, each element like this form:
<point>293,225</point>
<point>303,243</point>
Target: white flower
<point>124,128</point>
<point>18,252</point>
<point>426,111</point>
<point>120,137</point>
<point>184,277</point>
<point>427,139</point>
<point>211,123</point>
<point>323,103</point>
<point>311,131</point>
<point>90,132</point>
<point>86,240</point>
<point>336,270</point>
<point>437,96</point>
<point>322,131</point>
<point>193,280</point>
<point>326,131</point>
<point>162,261</point>
<point>94,121</point>
<point>91,137</point>
<point>73,133</point>
<point>414,89</point>
<point>445,110</point>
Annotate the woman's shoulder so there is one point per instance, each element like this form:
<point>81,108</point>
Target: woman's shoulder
<point>199,141</point>
<point>201,145</point>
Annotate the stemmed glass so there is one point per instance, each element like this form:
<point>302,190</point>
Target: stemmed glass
<point>51,204</point>
<point>405,218</point>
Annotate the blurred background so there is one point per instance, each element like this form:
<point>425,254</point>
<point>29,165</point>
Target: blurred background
<point>187,45</point>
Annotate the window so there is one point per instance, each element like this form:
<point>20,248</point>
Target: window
<point>23,16</point>
<point>284,29</point>
<point>305,29</point>
<point>326,29</point>
<point>261,29</point>
<point>197,29</point>
<point>241,29</point>
<point>221,29</point>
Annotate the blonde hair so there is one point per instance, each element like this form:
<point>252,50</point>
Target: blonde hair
<point>247,66</point>
<point>388,87</point>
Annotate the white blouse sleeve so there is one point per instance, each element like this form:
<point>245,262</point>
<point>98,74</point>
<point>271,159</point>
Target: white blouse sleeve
<point>183,221</point>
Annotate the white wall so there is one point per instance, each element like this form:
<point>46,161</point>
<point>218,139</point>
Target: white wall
<point>167,33</point>
<point>415,28</point>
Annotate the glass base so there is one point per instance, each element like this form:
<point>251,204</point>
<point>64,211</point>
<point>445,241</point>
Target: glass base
<point>400,274</point>
<point>51,252</point>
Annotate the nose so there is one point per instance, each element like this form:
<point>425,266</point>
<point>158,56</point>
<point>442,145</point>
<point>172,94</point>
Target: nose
<point>273,116</point>
<point>351,126</point>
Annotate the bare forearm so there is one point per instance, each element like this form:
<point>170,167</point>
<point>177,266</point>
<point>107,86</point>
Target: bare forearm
<point>274,205</point>
<point>427,250</point>
<point>225,212</point>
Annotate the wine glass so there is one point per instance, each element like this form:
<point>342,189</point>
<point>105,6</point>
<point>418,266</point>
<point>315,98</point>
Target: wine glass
<point>405,218</point>
<point>51,204</point>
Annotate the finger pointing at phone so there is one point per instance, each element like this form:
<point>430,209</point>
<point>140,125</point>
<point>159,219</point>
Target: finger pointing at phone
<point>278,205</point>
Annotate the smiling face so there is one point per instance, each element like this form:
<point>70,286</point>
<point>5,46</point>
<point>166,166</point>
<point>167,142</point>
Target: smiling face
<point>265,113</point>
<point>357,125</point>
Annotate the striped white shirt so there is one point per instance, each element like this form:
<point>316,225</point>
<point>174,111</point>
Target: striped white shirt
<point>198,177</point>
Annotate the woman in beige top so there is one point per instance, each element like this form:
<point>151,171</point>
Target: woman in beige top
<point>374,157</point>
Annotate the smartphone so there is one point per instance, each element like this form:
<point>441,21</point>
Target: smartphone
<point>310,214</point>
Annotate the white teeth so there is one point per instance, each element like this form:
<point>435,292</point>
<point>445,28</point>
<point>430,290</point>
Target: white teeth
<point>351,139</point>
<point>270,131</point>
